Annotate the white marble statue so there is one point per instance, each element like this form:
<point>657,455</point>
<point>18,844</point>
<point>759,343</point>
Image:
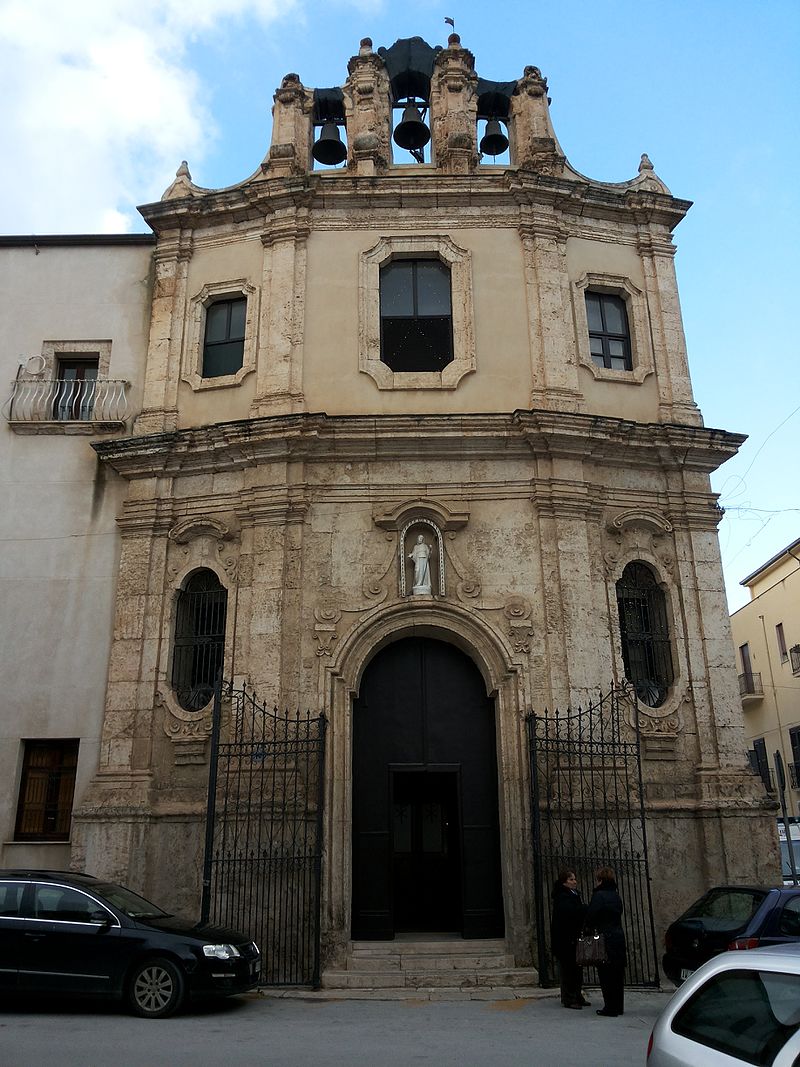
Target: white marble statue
<point>420,554</point>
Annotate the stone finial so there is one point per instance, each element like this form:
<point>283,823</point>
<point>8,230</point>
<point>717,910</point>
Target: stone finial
<point>645,163</point>
<point>647,177</point>
<point>454,41</point>
<point>365,47</point>
<point>182,186</point>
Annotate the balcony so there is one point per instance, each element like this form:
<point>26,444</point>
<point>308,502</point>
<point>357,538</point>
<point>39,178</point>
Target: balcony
<point>59,405</point>
<point>750,688</point>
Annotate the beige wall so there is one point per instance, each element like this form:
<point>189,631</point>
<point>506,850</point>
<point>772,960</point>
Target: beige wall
<point>772,715</point>
<point>58,520</point>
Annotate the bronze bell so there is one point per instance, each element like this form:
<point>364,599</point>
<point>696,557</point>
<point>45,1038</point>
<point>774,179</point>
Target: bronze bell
<point>329,148</point>
<point>411,133</point>
<point>494,142</point>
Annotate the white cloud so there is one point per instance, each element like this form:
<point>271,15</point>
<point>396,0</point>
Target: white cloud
<point>100,104</point>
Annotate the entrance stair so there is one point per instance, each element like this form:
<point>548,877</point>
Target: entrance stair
<point>432,969</point>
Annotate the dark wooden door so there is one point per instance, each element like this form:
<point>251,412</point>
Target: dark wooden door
<point>424,737</point>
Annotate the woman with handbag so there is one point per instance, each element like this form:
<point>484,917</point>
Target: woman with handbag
<point>568,911</point>
<point>604,915</point>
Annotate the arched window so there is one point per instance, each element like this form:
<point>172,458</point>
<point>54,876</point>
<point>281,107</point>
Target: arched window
<point>199,642</point>
<point>646,648</point>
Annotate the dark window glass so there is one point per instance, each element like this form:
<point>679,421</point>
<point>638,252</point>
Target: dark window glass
<point>199,639</point>
<point>727,906</point>
<point>779,637</point>
<point>646,649</point>
<point>789,925</point>
<point>609,335</point>
<point>62,904</point>
<point>10,898</point>
<point>416,320</point>
<point>44,812</point>
<point>762,763</point>
<point>749,1015</point>
<point>75,388</point>
<point>223,346</point>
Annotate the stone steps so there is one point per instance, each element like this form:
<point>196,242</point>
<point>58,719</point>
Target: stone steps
<point>435,968</point>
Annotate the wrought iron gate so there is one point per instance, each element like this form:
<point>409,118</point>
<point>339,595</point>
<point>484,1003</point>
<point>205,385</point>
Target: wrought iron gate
<point>588,811</point>
<point>262,866</point>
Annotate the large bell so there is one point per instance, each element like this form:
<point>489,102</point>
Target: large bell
<point>411,133</point>
<point>494,142</point>
<point>329,148</point>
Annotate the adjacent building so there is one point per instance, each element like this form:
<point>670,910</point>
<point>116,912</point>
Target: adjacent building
<point>398,431</point>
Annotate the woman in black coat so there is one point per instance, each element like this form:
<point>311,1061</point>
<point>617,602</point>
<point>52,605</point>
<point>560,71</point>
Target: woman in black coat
<point>568,911</point>
<point>604,915</point>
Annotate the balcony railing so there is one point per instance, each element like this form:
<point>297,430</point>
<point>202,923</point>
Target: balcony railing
<point>99,402</point>
<point>750,687</point>
<point>794,774</point>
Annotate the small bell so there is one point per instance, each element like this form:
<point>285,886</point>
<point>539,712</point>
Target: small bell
<point>411,132</point>
<point>329,149</point>
<point>494,142</point>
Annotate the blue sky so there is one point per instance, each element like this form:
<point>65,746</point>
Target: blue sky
<point>101,99</point>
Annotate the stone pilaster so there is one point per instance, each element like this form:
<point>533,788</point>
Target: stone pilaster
<point>669,342</point>
<point>160,395</point>
<point>292,130</point>
<point>279,386</point>
<point>368,112</point>
<point>454,109</point>
<point>554,370</point>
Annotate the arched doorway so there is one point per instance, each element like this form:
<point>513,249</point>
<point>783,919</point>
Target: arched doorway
<point>426,851</point>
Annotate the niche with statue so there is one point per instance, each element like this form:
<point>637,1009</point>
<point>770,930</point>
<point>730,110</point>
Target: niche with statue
<point>421,559</point>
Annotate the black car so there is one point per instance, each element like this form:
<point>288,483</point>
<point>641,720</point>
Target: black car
<point>730,917</point>
<point>70,933</point>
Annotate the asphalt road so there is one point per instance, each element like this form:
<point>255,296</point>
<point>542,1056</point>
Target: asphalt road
<point>292,1033</point>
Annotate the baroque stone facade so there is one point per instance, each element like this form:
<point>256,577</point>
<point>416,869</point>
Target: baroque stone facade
<point>534,473</point>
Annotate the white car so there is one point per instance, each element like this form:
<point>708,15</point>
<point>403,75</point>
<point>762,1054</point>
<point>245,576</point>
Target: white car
<point>738,1008</point>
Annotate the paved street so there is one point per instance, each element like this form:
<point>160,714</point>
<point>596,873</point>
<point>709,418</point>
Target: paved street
<point>284,1032</point>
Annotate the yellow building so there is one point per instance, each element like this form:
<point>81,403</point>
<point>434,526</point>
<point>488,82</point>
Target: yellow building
<point>766,633</point>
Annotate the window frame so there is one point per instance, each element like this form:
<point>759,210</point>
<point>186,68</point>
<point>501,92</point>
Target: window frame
<point>459,261</point>
<point>780,637</point>
<point>605,335</point>
<point>209,346</point>
<point>194,347</point>
<point>56,807</point>
<point>416,317</point>
<point>639,336</point>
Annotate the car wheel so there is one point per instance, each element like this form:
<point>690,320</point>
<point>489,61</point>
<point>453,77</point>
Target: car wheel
<point>156,988</point>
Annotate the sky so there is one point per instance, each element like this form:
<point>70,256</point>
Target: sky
<point>100,100</point>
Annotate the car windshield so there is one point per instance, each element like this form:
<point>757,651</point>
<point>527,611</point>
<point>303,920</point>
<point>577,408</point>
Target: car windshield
<point>134,906</point>
<point>733,906</point>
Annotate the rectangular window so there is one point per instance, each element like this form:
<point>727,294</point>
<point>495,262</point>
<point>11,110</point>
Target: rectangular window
<point>75,388</point>
<point>416,319</point>
<point>44,812</point>
<point>223,345</point>
<point>609,334</point>
<point>794,768</point>
<point>783,651</point>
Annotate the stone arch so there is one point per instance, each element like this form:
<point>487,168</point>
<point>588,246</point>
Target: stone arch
<point>505,682</point>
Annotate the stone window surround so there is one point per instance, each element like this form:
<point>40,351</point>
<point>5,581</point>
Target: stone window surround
<point>192,372</point>
<point>52,351</point>
<point>636,308</point>
<point>459,260</point>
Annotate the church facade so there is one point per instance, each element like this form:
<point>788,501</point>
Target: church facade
<point>417,450</point>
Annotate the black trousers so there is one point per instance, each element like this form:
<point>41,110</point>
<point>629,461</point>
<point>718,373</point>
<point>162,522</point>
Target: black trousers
<point>612,986</point>
<point>571,979</point>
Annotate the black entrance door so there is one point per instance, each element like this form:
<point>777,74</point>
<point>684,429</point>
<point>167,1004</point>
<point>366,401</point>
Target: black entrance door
<point>425,826</point>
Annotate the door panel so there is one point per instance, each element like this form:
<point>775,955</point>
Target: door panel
<point>423,706</point>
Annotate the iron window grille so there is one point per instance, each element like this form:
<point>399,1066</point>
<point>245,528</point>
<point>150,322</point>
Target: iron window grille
<point>199,642</point>
<point>44,811</point>
<point>416,315</point>
<point>609,333</point>
<point>644,629</point>
<point>223,344</point>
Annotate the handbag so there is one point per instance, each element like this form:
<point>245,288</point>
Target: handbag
<point>591,950</point>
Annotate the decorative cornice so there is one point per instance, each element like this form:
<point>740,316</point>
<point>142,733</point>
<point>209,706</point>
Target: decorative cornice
<point>313,436</point>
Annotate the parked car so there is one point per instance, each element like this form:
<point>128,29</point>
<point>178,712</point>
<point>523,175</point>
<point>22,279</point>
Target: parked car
<point>71,933</point>
<point>738,1008</point>
<point>730,917</point>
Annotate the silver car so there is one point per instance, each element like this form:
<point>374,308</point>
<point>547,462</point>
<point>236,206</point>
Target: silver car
<point>738,1008</point>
